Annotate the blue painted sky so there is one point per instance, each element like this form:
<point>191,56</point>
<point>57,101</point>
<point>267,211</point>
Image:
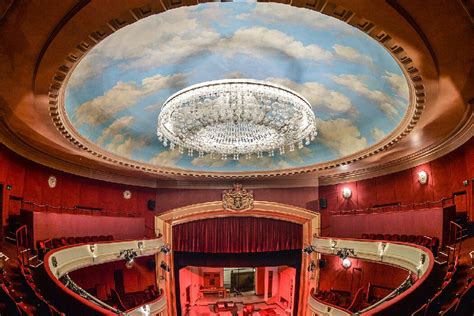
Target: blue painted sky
<point>357,90</point>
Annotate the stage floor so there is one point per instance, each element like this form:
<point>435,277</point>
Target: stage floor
<point>205,305</point>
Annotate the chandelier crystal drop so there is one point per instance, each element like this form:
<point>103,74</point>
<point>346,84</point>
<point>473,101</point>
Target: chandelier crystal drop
<point>236,119</point>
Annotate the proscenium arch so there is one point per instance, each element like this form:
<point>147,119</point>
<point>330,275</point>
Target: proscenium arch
<point>310,221</point>
<point>142,9</point>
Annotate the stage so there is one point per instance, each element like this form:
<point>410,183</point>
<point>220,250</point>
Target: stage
<point>207,306</point>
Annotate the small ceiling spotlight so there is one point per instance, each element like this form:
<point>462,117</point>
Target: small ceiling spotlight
<point>165,267</point>
<point>129,255</point>
<point>346,193</point>
<point>165,249</point>
<point>422,177</point>
<point>346,263</point>
<point>310,249</point>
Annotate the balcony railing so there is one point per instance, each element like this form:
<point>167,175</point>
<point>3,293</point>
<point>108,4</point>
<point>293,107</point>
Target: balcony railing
<point>61,261</point>
<point>416,259</point>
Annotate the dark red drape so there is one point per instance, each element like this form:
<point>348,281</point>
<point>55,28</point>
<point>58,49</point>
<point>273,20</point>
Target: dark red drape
<point>237,235</point>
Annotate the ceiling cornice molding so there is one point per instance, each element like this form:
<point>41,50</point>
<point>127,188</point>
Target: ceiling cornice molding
<point>463,133</point>
<point>66,129</point>
<point>128,173</point>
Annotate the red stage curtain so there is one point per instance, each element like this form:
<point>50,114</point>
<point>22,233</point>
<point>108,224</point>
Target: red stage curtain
<point>237,235</point>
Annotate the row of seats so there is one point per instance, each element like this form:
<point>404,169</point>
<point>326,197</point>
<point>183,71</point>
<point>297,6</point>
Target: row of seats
<point>458,306</point>
<point>431,243</point>
<point>43,306</point>
<point>13,302</point>
<point>353,304</point>
<point>44,246</point>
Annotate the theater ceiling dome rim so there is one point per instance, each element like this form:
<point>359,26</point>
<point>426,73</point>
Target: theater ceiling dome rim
<point>409,121</point>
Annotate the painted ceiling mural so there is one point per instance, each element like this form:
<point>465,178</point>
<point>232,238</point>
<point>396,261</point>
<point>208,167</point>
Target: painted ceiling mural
<point>358,92</point>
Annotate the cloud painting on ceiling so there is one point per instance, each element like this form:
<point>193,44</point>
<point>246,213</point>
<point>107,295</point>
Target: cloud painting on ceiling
<point>358,92</point>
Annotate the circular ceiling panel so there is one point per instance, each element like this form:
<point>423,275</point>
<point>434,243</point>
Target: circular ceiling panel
<point>358,92</point>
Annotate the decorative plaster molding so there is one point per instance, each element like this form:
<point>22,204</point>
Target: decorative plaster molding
<point>65,128</point>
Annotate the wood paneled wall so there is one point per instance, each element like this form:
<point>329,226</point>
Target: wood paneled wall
<point>445,176</point>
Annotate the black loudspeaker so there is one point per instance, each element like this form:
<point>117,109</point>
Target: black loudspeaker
<point>151,265</point>
<point>151,205</point>
<point>323,203</point>
<point>322,263</point>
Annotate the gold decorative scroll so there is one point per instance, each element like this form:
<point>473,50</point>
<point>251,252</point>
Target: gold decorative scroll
<point>237,199</point>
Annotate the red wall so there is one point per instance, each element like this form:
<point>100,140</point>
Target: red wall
<point>427,222</point>
<point>52,225</point>
<point>172,198</point>
<point>335,276</point>
<point>30,182</point>
<point>101,277</point>
<point>445,176</point>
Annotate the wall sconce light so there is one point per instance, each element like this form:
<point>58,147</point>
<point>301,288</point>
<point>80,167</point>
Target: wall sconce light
<point>465,183</point>
<point>9,187</point>
<point>344,254</point>
<point>165,267</point>
<point>346,193</point>
<point>422,177</point>
<point>129,255</point>
<point>346,263</point>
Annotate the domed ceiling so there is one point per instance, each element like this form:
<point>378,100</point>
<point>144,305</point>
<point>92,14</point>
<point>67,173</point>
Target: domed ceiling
<point>358,92</point>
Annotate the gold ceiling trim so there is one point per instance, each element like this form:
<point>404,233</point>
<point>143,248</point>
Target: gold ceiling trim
<point>65,128</point>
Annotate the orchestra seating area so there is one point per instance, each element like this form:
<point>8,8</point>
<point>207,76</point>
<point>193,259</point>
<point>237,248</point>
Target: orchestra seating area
<point>455,295</point>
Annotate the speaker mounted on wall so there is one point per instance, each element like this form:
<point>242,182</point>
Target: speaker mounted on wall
<point>151,205</point>
<point>323,203</point>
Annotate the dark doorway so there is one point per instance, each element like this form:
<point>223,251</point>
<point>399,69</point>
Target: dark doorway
<point>188,295</point>
<point>270,283</point>
<point>118,279</point>
<point>1,215</point>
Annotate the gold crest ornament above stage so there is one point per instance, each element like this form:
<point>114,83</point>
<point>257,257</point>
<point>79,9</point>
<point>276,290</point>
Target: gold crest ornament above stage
<point>237,199</point>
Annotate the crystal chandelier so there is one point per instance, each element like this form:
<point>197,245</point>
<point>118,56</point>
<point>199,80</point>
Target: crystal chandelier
<point>234,118</point>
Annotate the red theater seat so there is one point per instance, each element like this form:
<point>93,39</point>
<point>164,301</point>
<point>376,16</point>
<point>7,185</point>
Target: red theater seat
<point>419,239</point>
<point>42,249</point>
<point>365,236</point>
<point>379,237</point>
<point>102,238</point>
<point>63,241</point>
<point>395,237</point>
<point>411,239</point>
<point>387,237</point>
<point>434,245</point>
<point>79,240</point>
<point>87,239</point>
<point>110,237</point>
<point>56,242</point>
<point>372,236</point>
<point>94,239</point>
<point>404,238</point>
<point>71,240</point>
